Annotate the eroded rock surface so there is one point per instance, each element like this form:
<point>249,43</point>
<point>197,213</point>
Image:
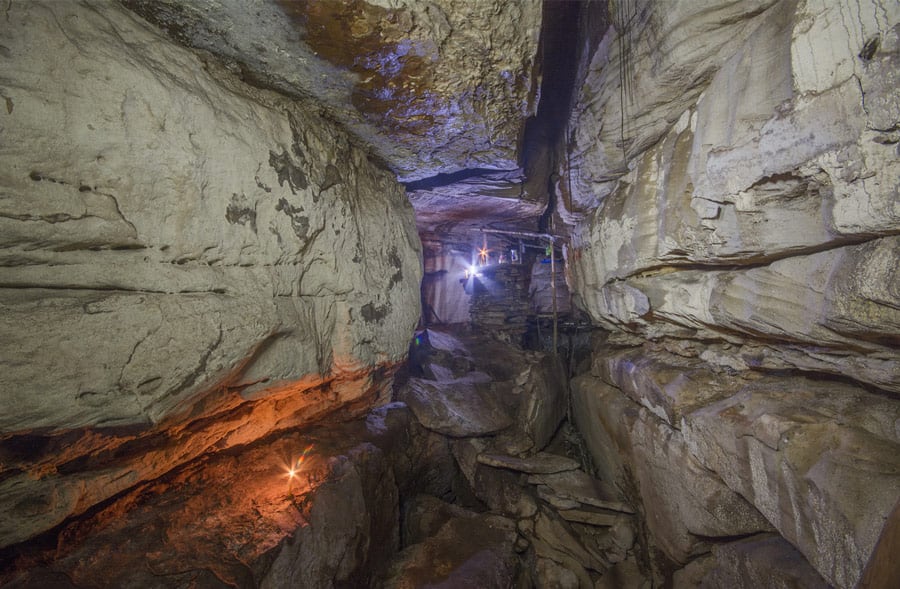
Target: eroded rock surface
<point>187,262</point>
<point>433,87</point>
<point>760,206</point>
<point>734,216</point>
<point>817,461</point>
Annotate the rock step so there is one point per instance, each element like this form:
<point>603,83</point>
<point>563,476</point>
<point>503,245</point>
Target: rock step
<point>540,463</point>
<point>593,517</point>
<point>581,487</point>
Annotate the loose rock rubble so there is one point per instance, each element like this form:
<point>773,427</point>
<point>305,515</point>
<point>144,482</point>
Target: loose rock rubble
<point>571,528</point>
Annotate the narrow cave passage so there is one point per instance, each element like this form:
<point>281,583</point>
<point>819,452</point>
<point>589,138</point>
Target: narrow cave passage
<point>354,293</point>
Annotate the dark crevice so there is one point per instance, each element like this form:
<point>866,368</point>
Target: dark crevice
<point>440,180</point>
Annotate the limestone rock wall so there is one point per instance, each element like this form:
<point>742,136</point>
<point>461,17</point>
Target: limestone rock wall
<point>186,263</point>
<point>734,202</point>
<point>767,211</point>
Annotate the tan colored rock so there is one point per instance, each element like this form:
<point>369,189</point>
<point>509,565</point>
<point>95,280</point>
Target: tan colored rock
<point>843,301</point>
<point>687,44</point>
<point>668,386</point>
<point>781,161</point>
<point>171,238</point>
<point>682,501</point>
<point>819,460</point>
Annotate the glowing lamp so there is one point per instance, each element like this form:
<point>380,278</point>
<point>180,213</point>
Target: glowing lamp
<point>296,466</point>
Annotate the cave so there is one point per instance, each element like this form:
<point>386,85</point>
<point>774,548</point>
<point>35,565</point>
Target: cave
<point>570,294</point>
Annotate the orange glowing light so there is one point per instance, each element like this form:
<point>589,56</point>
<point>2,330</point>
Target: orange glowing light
<point>483,254</point>
<point>295,468</point>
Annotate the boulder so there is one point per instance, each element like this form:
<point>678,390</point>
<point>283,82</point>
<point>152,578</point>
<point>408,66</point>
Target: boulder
<point>759,561</point>
<point>467,552</point>
<point>682,502</point>
<point>456,408</point>
<point>543,400</point>
<point>833,445</point>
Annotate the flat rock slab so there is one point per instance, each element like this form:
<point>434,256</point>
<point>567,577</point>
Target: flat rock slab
<point>547,494</point>
<point>540,463</point>
<point>456,408</point>
<point>593,517</point>
<point>578,485</point>
<point>446,342</point>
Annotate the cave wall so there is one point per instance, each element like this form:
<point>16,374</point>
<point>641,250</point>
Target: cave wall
<point>186,263</point>
<point>736,230</point>
<point>444,296</point>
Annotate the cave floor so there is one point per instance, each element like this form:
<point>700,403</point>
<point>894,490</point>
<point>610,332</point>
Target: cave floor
<point>468,479</point>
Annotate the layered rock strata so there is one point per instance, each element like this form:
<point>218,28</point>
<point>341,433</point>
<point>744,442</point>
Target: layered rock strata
<point>239,519</point>
<point>188,263</point>
<point>712,455</point>
<point>735,215</point>
<point>765,212</point>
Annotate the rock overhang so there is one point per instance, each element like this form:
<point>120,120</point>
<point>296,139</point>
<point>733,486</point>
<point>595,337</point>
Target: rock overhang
<point>429,87</point>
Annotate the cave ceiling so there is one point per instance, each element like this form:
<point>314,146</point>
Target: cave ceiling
<point>445,93</point>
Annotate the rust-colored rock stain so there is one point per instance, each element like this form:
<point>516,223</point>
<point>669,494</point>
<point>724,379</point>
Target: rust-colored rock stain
<point>395,71</point>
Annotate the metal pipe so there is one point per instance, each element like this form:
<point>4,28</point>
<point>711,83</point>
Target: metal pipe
<point>553,290</point>
<point>552,238</point>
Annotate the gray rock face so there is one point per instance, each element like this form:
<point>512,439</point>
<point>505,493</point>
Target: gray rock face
<point>774,176</point>
<point>682,502</point>
<point>457,407</point>
<point>799,451</point>
<point>758,561</point>
<point>734,212</point>
<point>176,244</point>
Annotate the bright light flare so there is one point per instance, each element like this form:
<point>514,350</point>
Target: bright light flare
<point>297,464</point>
